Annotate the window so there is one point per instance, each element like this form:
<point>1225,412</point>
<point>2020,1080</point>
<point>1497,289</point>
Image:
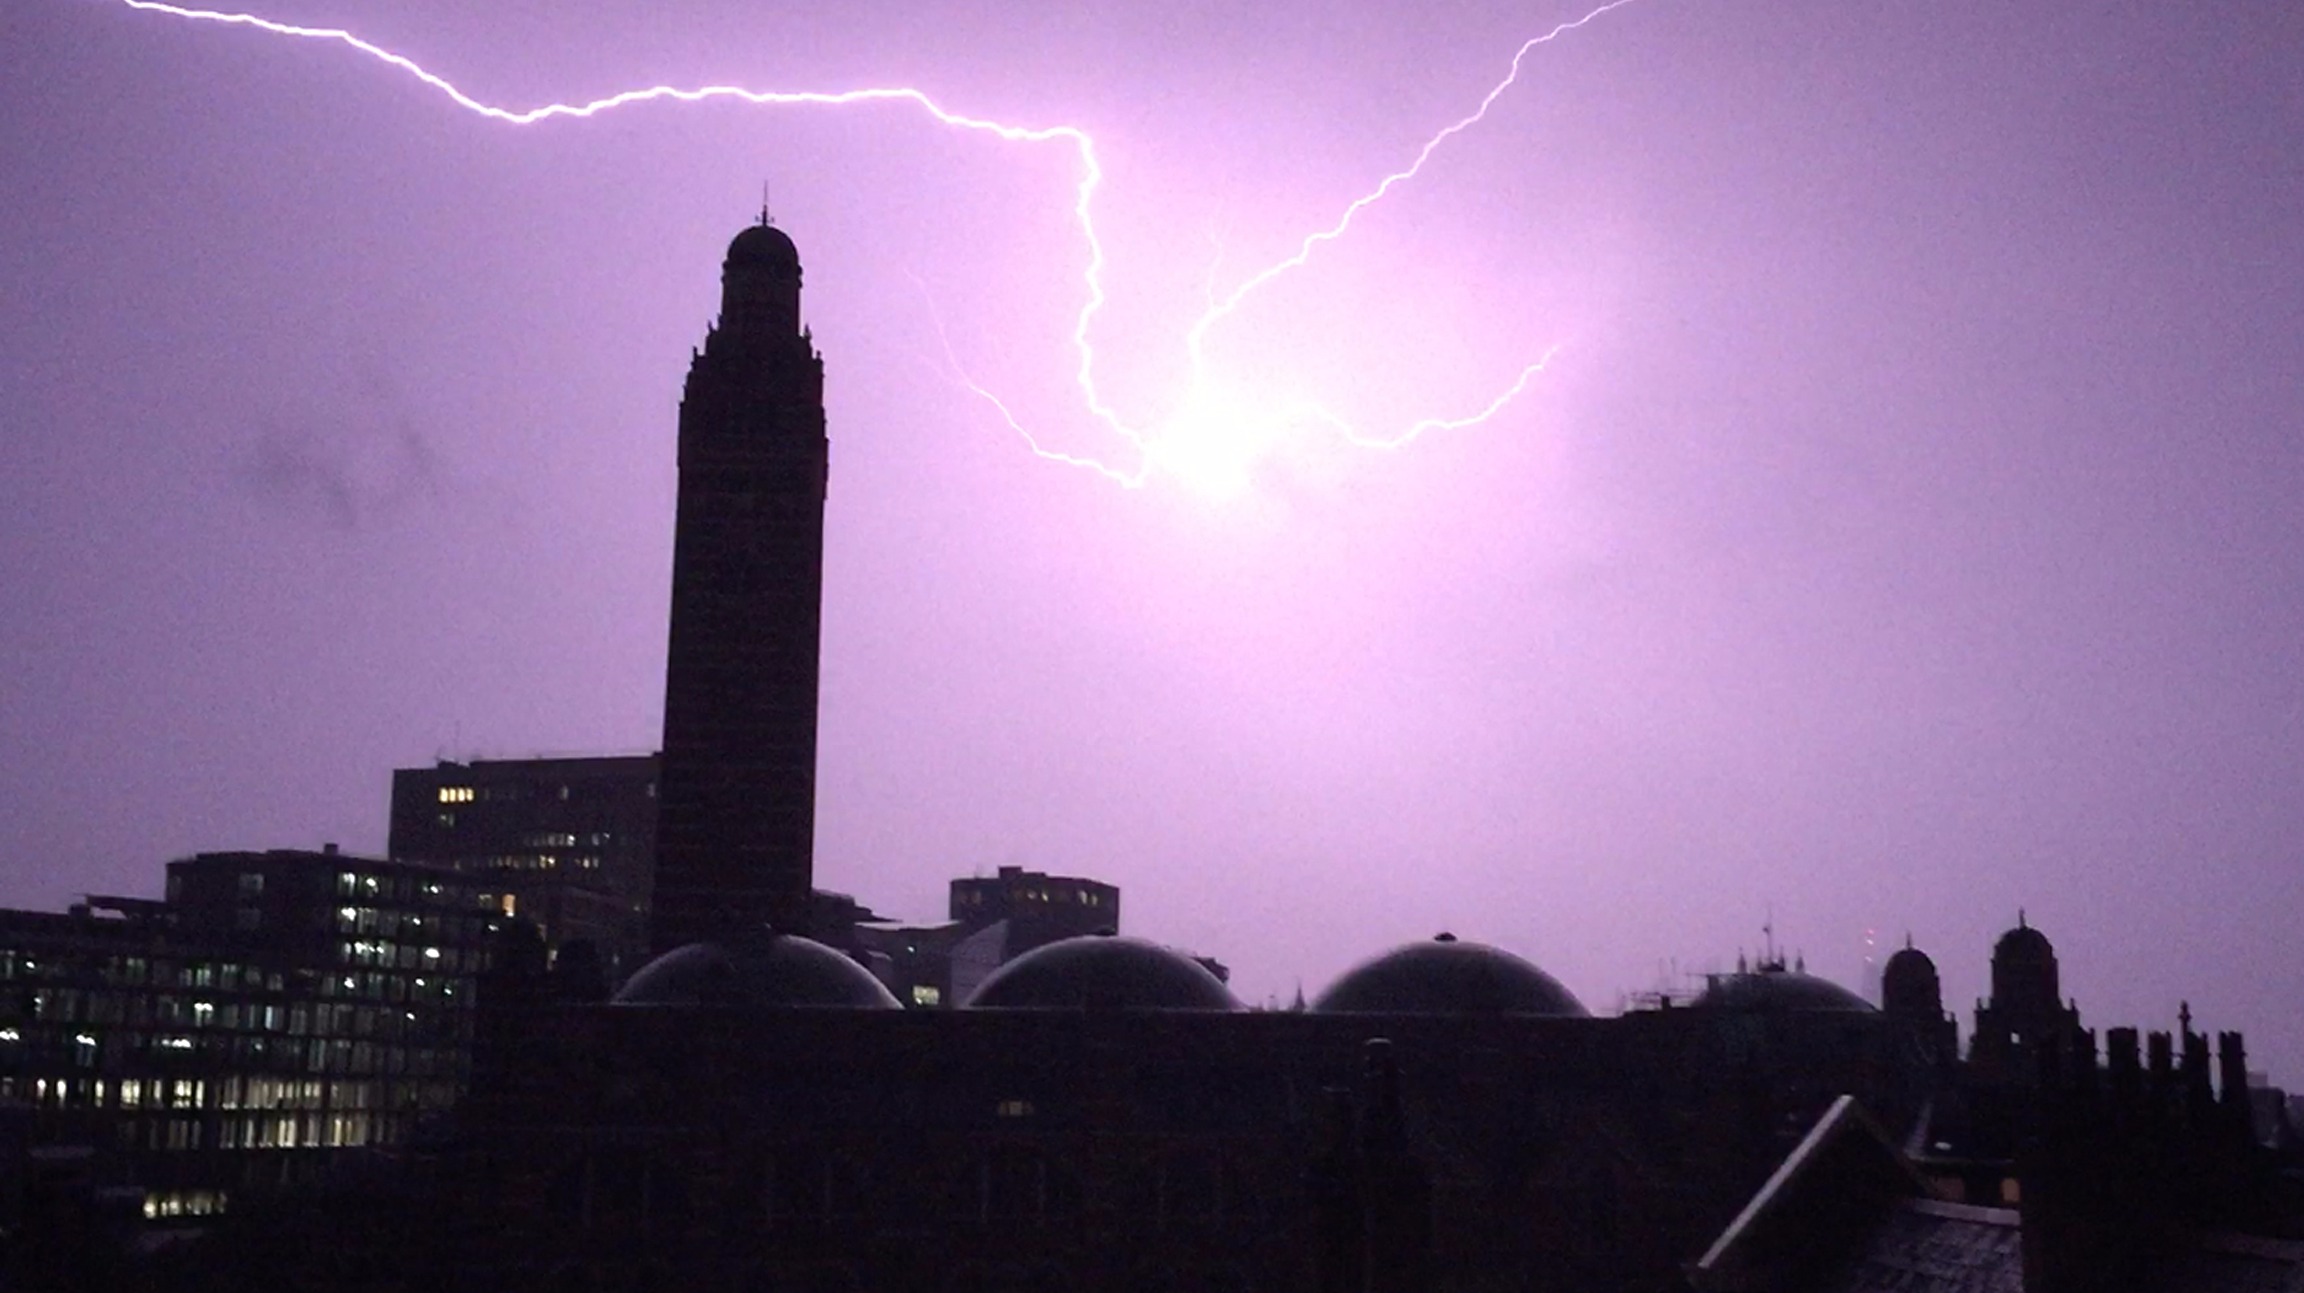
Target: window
<point>926,994</point>
<point>455,795</point>
<point>251,883</point>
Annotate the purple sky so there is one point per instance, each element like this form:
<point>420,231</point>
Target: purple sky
<point>1908,528</point>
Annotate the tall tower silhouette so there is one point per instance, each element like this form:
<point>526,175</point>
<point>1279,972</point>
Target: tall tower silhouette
<point>737,796</point>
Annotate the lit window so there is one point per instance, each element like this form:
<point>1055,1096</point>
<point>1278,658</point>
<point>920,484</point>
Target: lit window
<point>925,994</point>
<point>455,794</point>
<point>1014,1108</point>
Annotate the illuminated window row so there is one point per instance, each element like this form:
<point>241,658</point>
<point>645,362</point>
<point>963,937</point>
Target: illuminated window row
<point>405,956</point>
<point>297,1019</point>
<point>402,888</point>
<point>137,971</point>
<point>414,926</point>
<point>231,1093</point>
<point>537,862</point>
<point>299,1131</point>
<point>183,1203</point>
<point>456,794</point>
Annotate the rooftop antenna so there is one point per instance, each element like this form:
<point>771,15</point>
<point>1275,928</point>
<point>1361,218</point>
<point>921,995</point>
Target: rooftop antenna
<point>765,218</point>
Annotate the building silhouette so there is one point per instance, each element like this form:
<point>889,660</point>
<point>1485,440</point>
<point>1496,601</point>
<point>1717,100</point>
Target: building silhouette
<point>2026,1015</point>
<point>993,920</point>
<point>737,801</point>
<point>276,1008</point>
<point>754,1108</point>
<point>568,845</point>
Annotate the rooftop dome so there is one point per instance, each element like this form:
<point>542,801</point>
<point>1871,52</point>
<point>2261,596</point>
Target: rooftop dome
<point>1446,977</point>
<point>1908,984</point>
<point>2023,943</point>
<point>1909,964</point>
<point>1104,970</point>
<point>1771,988</point>
<point>767,969</point>
<point>763,244</point>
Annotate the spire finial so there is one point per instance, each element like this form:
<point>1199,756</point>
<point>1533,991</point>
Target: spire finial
<point>765,218</point>
<point>2020,919</point>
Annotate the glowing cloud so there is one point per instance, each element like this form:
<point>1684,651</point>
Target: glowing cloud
<point>1215,439</point>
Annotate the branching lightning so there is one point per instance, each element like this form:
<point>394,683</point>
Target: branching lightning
<point>1212,442</point>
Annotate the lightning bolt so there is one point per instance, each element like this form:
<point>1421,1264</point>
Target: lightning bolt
<point>1215,447</point>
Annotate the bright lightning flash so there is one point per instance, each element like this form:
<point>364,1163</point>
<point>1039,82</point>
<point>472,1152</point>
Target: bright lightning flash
<point>1215,439</point>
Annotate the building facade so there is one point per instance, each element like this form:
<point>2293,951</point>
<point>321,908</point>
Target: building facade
<point>276,1007</point>
<point>568,845</point>
<point>1039,908</point>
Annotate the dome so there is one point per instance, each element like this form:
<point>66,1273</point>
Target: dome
<point>1774,989</point>
<point>1909,967</point>
<point>1909,983</point>
<point>2023,943</point>
<point>763,244</point>
<point>776,970</point>
<point>1446,977</point>
<point>1104,970</point>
